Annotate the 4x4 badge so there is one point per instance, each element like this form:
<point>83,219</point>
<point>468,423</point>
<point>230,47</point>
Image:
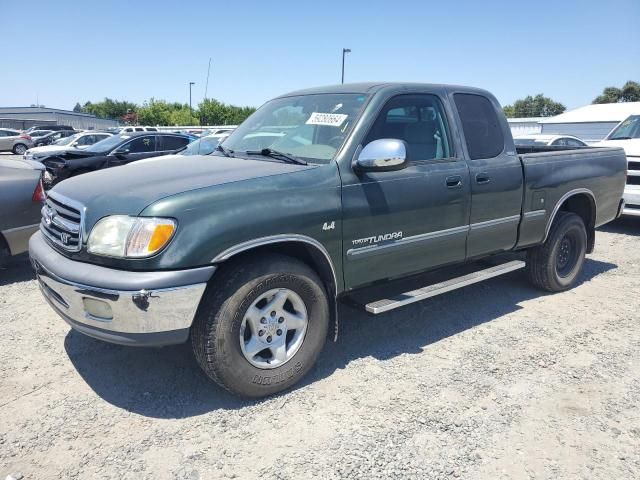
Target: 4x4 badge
<point>329,226</point>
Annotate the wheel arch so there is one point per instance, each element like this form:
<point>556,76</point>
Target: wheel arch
<point>303,248</point>
<point>582,202</point>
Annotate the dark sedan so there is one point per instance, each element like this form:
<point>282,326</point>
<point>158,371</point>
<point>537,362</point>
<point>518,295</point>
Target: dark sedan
<point>114,151</point>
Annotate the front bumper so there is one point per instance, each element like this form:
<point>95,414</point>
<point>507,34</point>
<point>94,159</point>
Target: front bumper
<point>632,200</point>
<point>124,307</point>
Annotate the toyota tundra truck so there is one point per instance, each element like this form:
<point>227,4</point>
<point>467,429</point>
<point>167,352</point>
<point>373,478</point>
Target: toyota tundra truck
<point>380,194</point>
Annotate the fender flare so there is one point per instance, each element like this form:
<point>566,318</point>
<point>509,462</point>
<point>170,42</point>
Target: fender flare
<point>564,198</point>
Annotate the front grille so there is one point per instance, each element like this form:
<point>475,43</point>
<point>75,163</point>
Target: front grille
<point>633,165</point>
<point>62,223</point>
<point>633,180</point>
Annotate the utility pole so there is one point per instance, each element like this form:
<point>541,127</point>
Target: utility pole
<point>344,52</point>
<point>190,107</point>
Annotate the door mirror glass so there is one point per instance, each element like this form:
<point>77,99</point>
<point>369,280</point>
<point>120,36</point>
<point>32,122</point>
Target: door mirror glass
<point>122,151</point>
<point>383,155</point>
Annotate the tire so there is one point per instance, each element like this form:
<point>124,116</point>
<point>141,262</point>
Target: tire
<point>555,265</point>
<point>223,323</point>
<point>19,148</point>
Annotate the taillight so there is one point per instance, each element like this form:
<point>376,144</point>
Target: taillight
<point>38,193</point>
<point>26,137</point>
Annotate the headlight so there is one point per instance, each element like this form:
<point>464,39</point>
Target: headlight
<point>131,237</point>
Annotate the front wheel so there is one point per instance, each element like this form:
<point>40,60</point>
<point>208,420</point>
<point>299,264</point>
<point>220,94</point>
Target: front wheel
<point>261,327</point>
<point>557,263</point>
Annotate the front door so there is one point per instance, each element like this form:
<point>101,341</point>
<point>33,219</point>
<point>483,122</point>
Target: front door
<point>495,173</point>
<point>138,148</point>
<point>411,220</point>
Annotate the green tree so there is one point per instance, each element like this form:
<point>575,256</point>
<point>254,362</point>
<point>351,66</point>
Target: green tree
<point>538,106</point>
<point>213,112</point>
<point>154,112</point>
<point>78,108</point>
<point>630,92</point>
<point>110,108</point>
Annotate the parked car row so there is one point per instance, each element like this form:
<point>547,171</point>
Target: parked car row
<point>113,151</point>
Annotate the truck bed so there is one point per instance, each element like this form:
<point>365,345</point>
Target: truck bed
<point>553,173</point>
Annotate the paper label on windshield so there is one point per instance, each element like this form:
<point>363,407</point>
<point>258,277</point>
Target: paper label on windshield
<point>329,119</point>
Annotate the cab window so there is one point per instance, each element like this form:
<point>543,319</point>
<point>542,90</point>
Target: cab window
<point>480,125</point>
<point>420,121</point>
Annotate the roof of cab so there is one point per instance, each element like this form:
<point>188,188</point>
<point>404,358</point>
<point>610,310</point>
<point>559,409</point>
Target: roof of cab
<point>373,87</point>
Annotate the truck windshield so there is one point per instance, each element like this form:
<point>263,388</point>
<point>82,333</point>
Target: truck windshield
<point>310,127</point>
<point>630,128</point>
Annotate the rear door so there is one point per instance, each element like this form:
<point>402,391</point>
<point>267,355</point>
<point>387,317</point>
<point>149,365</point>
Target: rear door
<point>171,143</point>
<point>495,174</point>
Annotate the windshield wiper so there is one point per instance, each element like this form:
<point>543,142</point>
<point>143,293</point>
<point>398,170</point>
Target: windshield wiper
<point>620,138</point>
<point>269,152</point>
<point>225,152</point>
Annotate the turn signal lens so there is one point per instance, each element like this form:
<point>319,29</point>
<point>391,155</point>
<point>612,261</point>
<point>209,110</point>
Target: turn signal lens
<point>149,235</point>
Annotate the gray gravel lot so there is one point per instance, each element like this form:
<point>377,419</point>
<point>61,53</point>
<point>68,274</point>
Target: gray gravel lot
<point>493,381</point>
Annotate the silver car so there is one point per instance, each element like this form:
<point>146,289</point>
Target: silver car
<point>14,141</point>
<point>21,199</point>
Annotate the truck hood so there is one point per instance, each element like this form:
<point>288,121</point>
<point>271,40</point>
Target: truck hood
<point>127,190</point>
<point>631,146</point>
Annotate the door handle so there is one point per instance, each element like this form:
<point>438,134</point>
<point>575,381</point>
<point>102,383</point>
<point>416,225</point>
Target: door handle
<point>482,178</point>
<point>455,181</point>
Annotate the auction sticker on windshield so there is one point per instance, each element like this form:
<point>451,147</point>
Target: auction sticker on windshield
<point>329,119</point>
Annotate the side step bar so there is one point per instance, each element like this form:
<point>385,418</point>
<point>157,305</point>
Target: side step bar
<point>386,304</point>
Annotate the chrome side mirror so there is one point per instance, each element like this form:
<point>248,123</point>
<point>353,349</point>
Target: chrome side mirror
<point>383,155</point>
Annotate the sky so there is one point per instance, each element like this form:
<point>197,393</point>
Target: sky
<point>64,52</point>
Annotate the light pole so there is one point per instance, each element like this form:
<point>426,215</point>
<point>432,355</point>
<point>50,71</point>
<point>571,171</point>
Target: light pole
<point>344,52</point>
<point>190,108</point>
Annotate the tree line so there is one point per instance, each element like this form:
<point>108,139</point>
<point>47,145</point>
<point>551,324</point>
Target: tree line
<point>163,113</point>
<point>541,106</point>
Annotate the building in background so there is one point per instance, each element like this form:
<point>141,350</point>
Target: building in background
<point>590,123</point>
<point>22,118</point>
<point>524,126</point>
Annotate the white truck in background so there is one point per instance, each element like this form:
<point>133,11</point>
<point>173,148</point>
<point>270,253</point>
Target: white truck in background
<point>627,135</point>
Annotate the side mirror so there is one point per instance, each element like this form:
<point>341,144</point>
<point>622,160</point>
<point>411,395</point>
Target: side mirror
<point>383,155</point>
<point>121,153</point>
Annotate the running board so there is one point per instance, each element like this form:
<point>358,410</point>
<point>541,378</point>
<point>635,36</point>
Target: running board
<point>386,304</point>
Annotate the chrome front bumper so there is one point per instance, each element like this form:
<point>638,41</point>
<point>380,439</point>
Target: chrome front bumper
<point>158,315</point>
<point>632,201</point>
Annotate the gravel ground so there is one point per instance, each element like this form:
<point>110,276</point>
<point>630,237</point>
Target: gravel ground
<point>494,381</point>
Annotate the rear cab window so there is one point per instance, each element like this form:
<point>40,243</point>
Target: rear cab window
<point>480,124</point>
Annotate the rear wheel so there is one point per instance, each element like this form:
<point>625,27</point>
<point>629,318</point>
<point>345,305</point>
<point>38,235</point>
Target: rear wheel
<point>19,148</point>
<point>261,327</point>
<point>555,265</point>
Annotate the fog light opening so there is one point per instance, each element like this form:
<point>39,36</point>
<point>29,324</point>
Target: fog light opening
<point>97,309</point>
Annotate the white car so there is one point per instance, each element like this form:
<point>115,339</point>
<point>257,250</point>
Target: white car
<point>79,140</point>
<point>627,135</point>
<point>541,140</point>
<point>137,129</point>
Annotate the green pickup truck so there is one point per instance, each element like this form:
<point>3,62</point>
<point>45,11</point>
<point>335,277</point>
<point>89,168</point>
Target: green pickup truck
<point>378,193</point>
